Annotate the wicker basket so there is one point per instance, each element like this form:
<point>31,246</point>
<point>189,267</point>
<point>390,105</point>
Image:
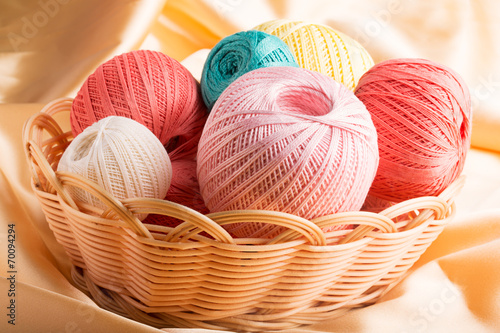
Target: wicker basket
<point>180,277</point>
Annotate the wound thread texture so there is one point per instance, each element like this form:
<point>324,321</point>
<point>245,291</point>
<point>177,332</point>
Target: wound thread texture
<point>286,139</point>
<point>122,156</point>
<point>323,49</point>
<point>148,87</point>
<point>422,112</point>
<point>238,54</point>
<point>183,190</point>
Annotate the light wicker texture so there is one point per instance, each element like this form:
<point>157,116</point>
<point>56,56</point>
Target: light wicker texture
<point>177,277</point>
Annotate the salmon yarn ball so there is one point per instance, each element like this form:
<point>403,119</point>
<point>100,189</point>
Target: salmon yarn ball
<point>184,190</point>
<point>321,48</point>
<point>148,87</point>
<point>422,112</point>
<point>287,139</point>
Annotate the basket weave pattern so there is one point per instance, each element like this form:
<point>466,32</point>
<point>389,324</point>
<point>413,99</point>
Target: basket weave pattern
<point>181,277</point>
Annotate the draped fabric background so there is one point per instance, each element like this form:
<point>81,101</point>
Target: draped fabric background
<point>48,47</point>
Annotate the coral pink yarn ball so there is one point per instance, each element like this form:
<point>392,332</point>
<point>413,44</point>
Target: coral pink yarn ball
<point>422,112</point>
<point>148,87</point>
<point>290,140</point>
<point>184,189</point>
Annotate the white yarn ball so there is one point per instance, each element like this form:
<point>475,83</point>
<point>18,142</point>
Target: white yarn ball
<point>121,155</point>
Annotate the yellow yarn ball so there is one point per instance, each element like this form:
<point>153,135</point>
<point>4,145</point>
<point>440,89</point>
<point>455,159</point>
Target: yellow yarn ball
<point>323,49</point>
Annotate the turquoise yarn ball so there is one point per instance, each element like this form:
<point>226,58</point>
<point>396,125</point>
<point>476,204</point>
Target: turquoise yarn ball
<point>238,54</point>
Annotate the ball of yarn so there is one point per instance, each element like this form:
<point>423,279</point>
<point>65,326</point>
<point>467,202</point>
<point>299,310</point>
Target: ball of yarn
<point>422,112</point>
<point>287,139</point>
<point>323,49</point>
<point>148,87</point>
<point>184,188</point>
<point>122,156</point>
<point>238,54</point>
<point>376,205</point>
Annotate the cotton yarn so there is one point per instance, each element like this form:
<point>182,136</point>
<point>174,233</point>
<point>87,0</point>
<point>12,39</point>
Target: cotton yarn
<point>321,48</point>
<point>184,189</point>
<point>286,139</point>
<point>238,54</point>
<point>148,87</point>
<point>375,205</point>
<point>422,112</point>
<point>122,156</point>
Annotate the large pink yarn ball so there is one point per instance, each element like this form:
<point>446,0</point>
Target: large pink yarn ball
<point>290,140</point>
<point>422,112</point>
<point>148,87</point>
